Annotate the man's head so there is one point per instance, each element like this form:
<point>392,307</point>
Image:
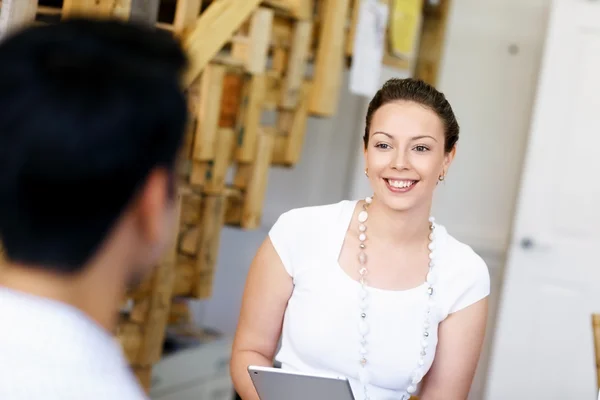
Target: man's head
<point>92,116</point>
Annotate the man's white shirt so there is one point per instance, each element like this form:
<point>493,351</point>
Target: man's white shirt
<point>52,351</point>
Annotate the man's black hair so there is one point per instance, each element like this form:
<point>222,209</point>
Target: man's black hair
<point>87,109</point>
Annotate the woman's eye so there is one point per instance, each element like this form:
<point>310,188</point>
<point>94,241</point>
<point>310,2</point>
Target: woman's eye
<point>382,146</point>
<point>421,148</point>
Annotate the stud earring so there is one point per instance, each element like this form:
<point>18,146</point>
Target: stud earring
<point>441,177</point>
<point>367,172</point>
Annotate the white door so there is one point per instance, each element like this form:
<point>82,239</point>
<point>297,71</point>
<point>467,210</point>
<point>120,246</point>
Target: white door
<point>543,344</point>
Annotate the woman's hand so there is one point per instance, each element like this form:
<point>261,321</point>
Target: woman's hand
<point>460,339</point>
<point>268,289</point>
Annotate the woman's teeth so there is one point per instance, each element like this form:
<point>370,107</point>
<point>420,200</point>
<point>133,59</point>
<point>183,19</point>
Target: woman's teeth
<point>400,183</point>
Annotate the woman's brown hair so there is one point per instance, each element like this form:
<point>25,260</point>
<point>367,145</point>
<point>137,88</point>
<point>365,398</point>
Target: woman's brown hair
<point>419,92</point>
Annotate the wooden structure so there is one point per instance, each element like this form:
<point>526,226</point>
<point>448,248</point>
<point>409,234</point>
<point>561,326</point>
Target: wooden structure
<point>247,57</point>
<point>596,335</point>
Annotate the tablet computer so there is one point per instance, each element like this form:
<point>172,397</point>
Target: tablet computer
<point>278,384</point>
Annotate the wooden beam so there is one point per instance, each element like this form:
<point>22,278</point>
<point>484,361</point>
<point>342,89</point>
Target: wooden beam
<point>213,217</point>
<point>212,30</point>
<point>297,64</point>
<point>186,15</point>
<point>260,38</point>
<point>330,58</point>
<point>288,147</point>
<point>257,186</point>
<point>355,7</point>
<point>250,118</point>
<point>215,182</point>
<point>97,8</point>
<point>298,9</point>
<point>16,13</point>
<point>208,112</point>
<point>432,41</point>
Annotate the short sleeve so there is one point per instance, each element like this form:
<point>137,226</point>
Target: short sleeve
<point>281,234</point>
<point>470,285</point>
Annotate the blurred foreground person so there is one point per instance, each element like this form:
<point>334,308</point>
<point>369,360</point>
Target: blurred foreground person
<point>91,119</point>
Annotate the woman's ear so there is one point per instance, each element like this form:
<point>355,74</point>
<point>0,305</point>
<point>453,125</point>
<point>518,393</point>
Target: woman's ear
<point>448,158</point>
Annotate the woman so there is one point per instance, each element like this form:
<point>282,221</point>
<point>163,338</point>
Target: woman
<point>374,289</point>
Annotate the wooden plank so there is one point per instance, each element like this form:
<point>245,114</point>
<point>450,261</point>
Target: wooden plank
<point>298,9</point>
<point>208,112</point>
<point>212,30</point>
<point>215,182</point>
<point>199,172</point>
<point>330,59</point>
<point>273,88</point>
<point>188,240</point>
<point>260,38</point>
<point>257,187</point>
<point>297,65</point>
<point>15,14</point>
<point>213,217</point>
<point>97,8</point>
<point>234,208</point>
<point>432,41</point>
<point>354,11</point>
<point>279,62</point>
<point>231,99</point>
<point>145,11</point>
<point>184,276</point>
<point>293,123</point>
<point>191,204</point>
<point>250,118</point>
<point>596,335</point>
<point>186,15</point>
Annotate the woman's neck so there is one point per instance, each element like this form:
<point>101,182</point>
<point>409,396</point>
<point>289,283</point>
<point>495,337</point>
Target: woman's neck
<point>398,227</point>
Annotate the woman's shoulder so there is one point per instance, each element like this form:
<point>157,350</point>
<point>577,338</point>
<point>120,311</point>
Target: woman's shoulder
<point>321,214</point>
<point>463,271</point>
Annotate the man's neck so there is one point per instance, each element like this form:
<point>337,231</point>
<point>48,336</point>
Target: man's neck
<point>94,291</point>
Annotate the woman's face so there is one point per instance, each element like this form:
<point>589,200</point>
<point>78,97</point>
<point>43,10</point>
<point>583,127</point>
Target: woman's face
<point>405,155</point>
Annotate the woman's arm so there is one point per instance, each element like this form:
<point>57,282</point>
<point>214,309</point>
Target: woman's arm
<point>460,339</point>
<point>268,289</point>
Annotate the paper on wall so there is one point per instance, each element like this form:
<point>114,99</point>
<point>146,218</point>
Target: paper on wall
<point>369,47</point>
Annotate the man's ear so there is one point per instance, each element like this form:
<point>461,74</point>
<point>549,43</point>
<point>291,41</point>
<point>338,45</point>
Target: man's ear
<point>152,201</point>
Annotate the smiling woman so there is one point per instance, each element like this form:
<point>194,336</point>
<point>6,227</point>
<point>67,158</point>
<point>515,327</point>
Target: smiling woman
<point>374,289</point>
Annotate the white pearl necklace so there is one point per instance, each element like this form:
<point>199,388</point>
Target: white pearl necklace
<point>363,326</point>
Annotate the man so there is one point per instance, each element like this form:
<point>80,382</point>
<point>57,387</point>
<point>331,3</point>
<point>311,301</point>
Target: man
<point>91,119</point>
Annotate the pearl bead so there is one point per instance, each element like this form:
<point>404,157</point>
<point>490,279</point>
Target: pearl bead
<point>369,200</point>
<point>362,228</point>
<point>362,216</point>
<point>411,389</point>
<point>362,258</point>
<point>362,237</point>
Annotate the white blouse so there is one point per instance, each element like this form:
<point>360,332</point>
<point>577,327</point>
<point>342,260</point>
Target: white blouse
<point>320,327</point>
